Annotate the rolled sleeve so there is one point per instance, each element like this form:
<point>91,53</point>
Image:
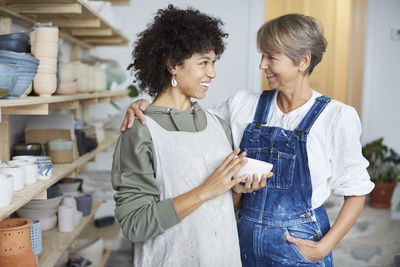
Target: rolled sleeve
<point>349,167</point>
<point>139,210</point>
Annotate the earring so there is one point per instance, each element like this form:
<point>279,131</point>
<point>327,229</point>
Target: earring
<point>173,82</point>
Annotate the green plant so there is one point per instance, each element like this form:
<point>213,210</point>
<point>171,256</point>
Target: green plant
<point>384,162</point>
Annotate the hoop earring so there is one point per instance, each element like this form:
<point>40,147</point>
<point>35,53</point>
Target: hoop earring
<point>173,82</point>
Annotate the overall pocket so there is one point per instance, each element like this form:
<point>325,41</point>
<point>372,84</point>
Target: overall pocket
<point>283,169</point>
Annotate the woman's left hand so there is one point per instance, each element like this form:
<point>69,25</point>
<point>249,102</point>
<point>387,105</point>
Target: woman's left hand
<point>309,249</point>
<point>253,184</point>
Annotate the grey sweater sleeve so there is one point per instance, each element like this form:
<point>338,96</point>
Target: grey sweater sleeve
<point>139,210</point>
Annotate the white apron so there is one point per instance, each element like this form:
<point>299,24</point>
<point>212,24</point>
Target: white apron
<point>208,236</point>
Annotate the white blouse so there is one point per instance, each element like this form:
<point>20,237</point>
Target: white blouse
<point>333,144</point>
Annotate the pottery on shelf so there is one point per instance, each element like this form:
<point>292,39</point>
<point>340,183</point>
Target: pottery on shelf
<point>15,245</point>
<point>6,189</point>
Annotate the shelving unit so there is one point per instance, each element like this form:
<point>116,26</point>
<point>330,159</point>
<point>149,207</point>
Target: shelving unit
<point>20,198</point>
<point>77,21</point>
<point>55,242</point>
<point>84,28</point>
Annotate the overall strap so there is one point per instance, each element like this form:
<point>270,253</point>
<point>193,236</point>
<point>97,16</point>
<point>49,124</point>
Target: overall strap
<point>263,106</point>
<point>312,115</point>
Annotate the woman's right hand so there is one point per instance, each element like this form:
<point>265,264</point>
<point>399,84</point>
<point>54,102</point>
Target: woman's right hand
<point>136,109</point>
<point>222,179</point>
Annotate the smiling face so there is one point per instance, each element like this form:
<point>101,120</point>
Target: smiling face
<point>195,74</point>
<point>282,73</point>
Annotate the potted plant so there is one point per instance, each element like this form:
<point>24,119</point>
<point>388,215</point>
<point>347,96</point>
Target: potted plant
<point>384,170</point>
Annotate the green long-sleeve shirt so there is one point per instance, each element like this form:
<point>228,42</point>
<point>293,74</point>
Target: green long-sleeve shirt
<point>139,210</point>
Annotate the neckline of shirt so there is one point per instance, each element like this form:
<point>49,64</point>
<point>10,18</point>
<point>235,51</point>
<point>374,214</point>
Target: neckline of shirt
<point>295,112</point>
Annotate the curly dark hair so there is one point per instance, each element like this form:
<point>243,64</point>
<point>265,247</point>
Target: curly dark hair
<point>175,35</point>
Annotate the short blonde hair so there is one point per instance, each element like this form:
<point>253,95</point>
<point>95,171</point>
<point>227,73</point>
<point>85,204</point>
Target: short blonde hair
<point>294,35</point>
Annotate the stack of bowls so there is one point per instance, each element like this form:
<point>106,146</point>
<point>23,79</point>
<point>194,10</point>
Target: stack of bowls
<point>44,42</point>
<point>26,68</point>
<point>17,42</point>
<point>8,77</point>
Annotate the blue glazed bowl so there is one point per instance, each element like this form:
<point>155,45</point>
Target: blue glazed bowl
<point>24,80</point>
<point>44,168</point>
<point>19,56</point>
<point>8,67</point>
<point>7,83</point>
<point>16,45</point>
<point>15,36</point>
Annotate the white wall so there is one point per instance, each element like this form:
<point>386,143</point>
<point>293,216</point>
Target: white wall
<point>381,92</point>
<point>238,66</point>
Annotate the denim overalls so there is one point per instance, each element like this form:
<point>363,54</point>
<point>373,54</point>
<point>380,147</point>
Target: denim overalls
<point>284,205</point>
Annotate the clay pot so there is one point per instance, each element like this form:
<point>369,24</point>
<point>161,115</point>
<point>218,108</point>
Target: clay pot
<point>15,244</point>
<point>381,195</point>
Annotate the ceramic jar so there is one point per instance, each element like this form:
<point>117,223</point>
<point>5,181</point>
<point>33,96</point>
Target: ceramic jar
<point>61,150</point>
<point>66,220</point>
<point>6,189</point>
<point>15,245</point>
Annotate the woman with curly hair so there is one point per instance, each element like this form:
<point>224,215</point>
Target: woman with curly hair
<point>173,176</point>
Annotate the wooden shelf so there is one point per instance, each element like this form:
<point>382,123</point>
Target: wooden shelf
<point>36,105</point>
<point>20,198</point>
<point>77,21</point>
<point>54,243</point>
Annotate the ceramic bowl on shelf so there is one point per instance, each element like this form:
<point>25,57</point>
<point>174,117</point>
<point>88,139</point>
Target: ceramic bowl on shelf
<point>45,84</point>
<point>45,49</point>
<point>35,214</point>
<point>22,149</point>
<point>47,65</point>
<point>46,34</point>
<point>7,83</point>
<point>31,170</point>
<point>6,189</point>
<point>48,223</point>
<point>67,88</point>
<point>70,185</point>
<point>44,204</point>
<point>17,42</point>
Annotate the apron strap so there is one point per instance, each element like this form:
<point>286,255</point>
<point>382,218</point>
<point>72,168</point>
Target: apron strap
<point>263,106</point>
<point>319,105</point>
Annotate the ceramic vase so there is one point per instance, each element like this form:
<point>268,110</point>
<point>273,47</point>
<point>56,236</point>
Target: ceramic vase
<point>15,244</point>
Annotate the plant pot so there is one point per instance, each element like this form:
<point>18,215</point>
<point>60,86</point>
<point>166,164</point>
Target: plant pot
<point>15,244</point>
<point>381,195</point>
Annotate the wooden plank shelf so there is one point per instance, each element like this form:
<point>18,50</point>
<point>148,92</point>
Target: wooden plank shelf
<point>20,198</point>
<point>31,101</point>
<point>54,243</point>
<point>78,22</point>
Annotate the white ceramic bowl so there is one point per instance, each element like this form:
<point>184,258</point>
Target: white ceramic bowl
<point>67,88</point>
<point>47,65</point>
<point>36,214</point>
<point>45,84</point>
<point>45,49</point>
<point>91,249</point>
<point>44,204</point>
<point>48,223</point>
<point>255,166</point>
<point>46,34</point>
<point>68,187</point>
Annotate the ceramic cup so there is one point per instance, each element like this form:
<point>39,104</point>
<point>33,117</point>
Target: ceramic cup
<point>45,169</point>
<point>84,203</point>
<point>66,219</point>
<point>31,170</point>
<point>18,174</point>
<point>6,189</point>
